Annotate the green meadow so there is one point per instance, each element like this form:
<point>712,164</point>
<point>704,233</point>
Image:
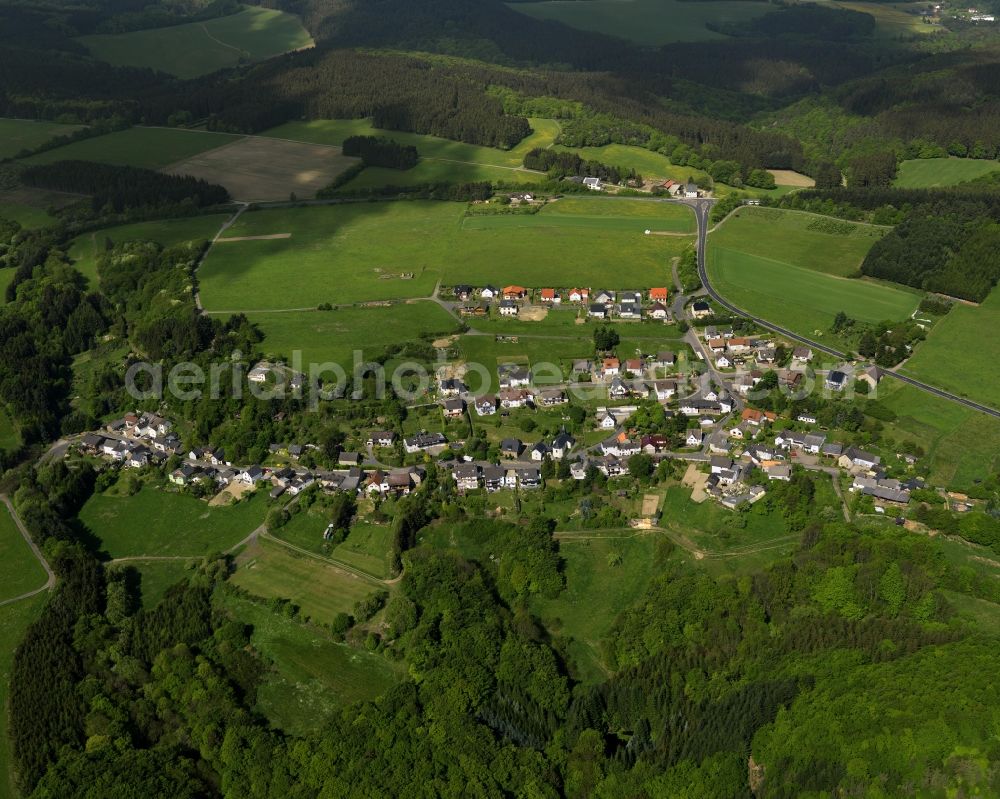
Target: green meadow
<point>87,247</point>
<point>157,522</point>
<point>772,265</point>
<point>648,22</point>
<point>198,48</point>
<point>322,590</point>
<point>334,131</point>
<point>149,148</point>
<point>332,336</point>
<point>929,173</point>
<point>310,676</point>
<point>26,134</point>
<point>27,216</point>
<point>20,571</point>
<point>961,352</point>
<point>382,251</point>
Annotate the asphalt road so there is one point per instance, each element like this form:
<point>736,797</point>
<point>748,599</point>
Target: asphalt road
<point>702,210</point>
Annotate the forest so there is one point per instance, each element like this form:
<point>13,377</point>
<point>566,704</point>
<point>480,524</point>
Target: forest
<point>381,151</point>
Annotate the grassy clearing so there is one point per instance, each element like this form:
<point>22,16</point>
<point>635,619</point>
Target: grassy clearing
<point>156,576</point>
<point>892,20</point>
<point>26,134</point>
<point>770,264</point>
<point>649,22</point>
<point>960,352</point>
<point>366,546</point>
<point>150,148</point>
<point>805,240</point>
<point>14,620</point>
<point>334,131</point>
<point>20,571</point>
<point>323,336</point>
<point>645,162</point>
<point>929,173</point>
<point>596,592</point>
<point>312,676</point>
<point>960,443</point>
<point>199,48</point>
<point>86,248</point>
<point>26,215</point>
<point>321,590</point>
<point>348,254</point>
<point>156,522</point>
<point>428,171</point>
<point>10,437</point>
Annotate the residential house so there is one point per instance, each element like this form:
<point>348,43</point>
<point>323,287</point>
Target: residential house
<point>540,451</point>
<point>807,418</point>
<point>463,292</point>
<point>511,447</point>
<point>514,376</point>
<point>658,311</point>
<point>486,405</point>
<point>349,459</point>
<point>509,308</point>
<point>853,456</point>
<point>690,191</point>
<point>618,389</point>
<point>665,389</point>
<point>654,444</point>
<point>562,444</point>
<point>259,373</point>
<point>658,294</point>
<point>550,397</point>
<point>666,360</point>
<point>466,476</point>
<point>514,398</point>
<point>720,463</point>
<point>870,375</point>
<point>578,469</point>
<point>451,387</point>
<point>582,367</point>
<point>694,437</point>
<point>802,354</point>
<point>423,441</point>
<point>604,297</point>
<point>453,408</point>
<point>723,362</point>
<point>598,311</point>
<point>251,475</point>
<point>219,458</point>
<point>739,344</point>
<point>611,466</point>
<point>594,184</point>
<point>489,292</point>
<point>717,346</point>
<point>836,380</point>
<point>183,474</point>
<point>514,292</point>
<point>550,296</point>
<point>766,355</point>
<point>610,367</point>
<point>832,449</point>
<point>493,478</point>
<point>92,442</point>
<point>579,295</point>
<point>381,438</point>
<point>634,365</point>
<point>778,471</point>
<point>529,477</point>
<point>296,450</point>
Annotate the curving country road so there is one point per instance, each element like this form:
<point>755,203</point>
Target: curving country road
<point>50,581</point>
<point>702,209</point>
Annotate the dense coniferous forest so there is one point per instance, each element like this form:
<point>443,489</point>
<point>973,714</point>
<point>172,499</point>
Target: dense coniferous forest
<point>380,151</point>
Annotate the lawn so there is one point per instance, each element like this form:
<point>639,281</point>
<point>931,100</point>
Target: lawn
<point>382,251</point>
<point>960,355</point>
<point>596,592</point>
<point>794,277</point>
<point>320,589</point>
<point>157,522</point>
<point>960,443</point>
<point>26,134</point>
<point>487,351</point>
<point>648,22</point>
<point>150,148</point>
<point>312,676</point>
<point>199,48</point>
<point>14,620</point>
<point>334,131</point>
<point>20,571</point>
<point>86,248</point>
<point>929,173</point>
<point>333,336</point>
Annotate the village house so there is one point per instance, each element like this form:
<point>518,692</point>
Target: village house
<point>514,292</point>
<point>466,476</point>
<point>853,456</point>
<point>259,373</point>
<point>514,376</point>
<point>723,362</point>
<point>617,389</point>
<point>778,471</point>
<point>453,408</point>
<point>540,451</point>
<point>463,292</point>
<point>451,387</point>
<point>562,444</point>
<point>611,466</point>
<point>666,360</point>
<point>183,474</point>
<point>348,458</point>
<point>548,398</point>
<point>251,475</point>
<point>739,344</point>
<point>766,355</point>
<point>870,375</point>
<point>610,367</point>
<point>694,437</point>
<point>598,311</point>
<point>658,311</point>
<point>489,292</point>
<point>717,346</point>
<point>511,447</point>
<point>486,405</point>
<point>658,294</point>
<point>493,478</point>
<point>802,354</point>
<point>381,438</point>
<point>579,295</point>
<point>700,309</point>
<point>594,184</point>
<point>665,389</point>
<point>654,444</point>
<point>423,441</point>
<point>550,296</point>
<point>604,298</point>
<point>582,367</point>
<point>509,308</point>
<point>514,398</point>
<point>836,380</point>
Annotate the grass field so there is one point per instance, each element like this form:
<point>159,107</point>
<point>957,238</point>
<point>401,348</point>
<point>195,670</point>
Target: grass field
<point>596,592</point>
<point>26,215</point>
<point>892,20</point>
<point>312,676</point>
<point>14,620</point>
<point>86,248</point>
<point>929,173</point>
<point>9,435</point>
<point>366,546</point>
<point>771,265</point>
<point>645,162</point>
<point>150,148</point>
<point>156,522</point>
<point>156,576</point>
<point>199,48</point>
<point>960,443</point>
<point>960,355</point>
<point>20,571</point>
<point>334,131</point>
<point>348,254</point>
<point>649,22</point>
<point>320,589</point>
<point>323,336</point>
<point>26,134</point>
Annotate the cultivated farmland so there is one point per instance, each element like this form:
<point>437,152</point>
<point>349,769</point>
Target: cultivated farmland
<point>772,265</point>
<point>259,168</point>
<point>25,134</point>
<point>150,148</point>
<point>961,352</point>
<point>650,22</point>
<point>199,48</point>
<point>156,522</point>
<point>929,173</point>
<point>383,251</point>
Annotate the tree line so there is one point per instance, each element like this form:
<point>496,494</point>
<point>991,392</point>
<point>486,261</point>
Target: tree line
<point>381,151</point>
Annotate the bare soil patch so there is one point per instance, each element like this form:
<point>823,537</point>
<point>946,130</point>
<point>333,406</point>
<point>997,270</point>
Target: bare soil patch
<point>650,502</point>
<point>787,177</point>
<point>230,493</point>
<point>532,313</point>
<point>258,168</point>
